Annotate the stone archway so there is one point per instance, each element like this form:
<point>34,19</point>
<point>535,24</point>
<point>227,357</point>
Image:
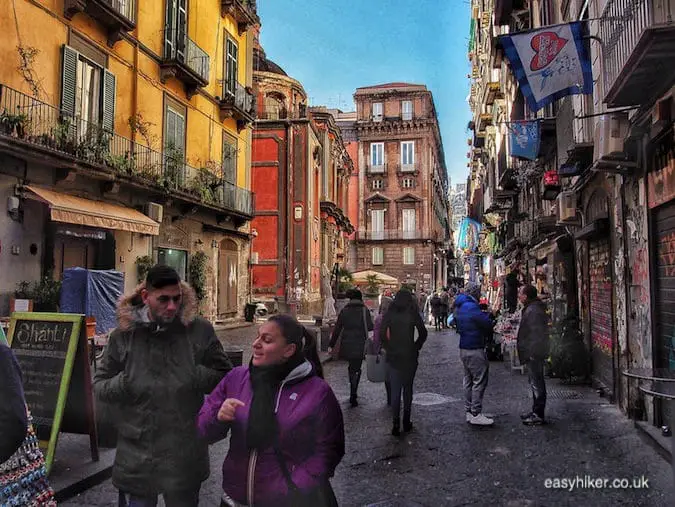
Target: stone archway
<point>228,277</point>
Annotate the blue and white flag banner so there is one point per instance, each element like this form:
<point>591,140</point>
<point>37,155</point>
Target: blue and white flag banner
<point>550,63</point>
<point>524,139</point>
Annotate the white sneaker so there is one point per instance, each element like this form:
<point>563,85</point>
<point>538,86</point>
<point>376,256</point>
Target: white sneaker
<point>481,420</point>
<point>469,416</point>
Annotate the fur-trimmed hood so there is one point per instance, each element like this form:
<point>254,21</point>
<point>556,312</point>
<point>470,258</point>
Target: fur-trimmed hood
<point>129,306</point>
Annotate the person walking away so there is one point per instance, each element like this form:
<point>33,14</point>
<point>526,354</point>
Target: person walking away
<point>397,335</point>
<point>533,349</point>
<point>436,310</point>
<point>445,308</point>
<point>158,365</point>
<point>352,328</point>
<point>286,426</point>
<point>473,326</point>
<point>377,342</point>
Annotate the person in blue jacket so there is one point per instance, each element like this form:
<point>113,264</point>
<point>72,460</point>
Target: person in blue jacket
<point>474,327</point>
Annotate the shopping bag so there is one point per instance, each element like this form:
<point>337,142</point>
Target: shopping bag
<point>376,367</point>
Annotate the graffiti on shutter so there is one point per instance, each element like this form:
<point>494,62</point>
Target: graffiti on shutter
<point>601,312</point>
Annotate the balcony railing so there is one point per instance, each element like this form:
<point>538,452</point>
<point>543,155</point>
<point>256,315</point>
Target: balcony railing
<point>116,15</point>
<point>407,168</point>
<point>574,131</point>
<point>376,170</point>
<point>185,60</point>
<point>638,50</point>
<point>394,234</point>
<point>281,113</point>
<point>238,102</point>
<point>27,124</point>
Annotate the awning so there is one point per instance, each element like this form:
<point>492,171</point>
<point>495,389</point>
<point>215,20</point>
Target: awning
<point>362,277</point>
<point>76,210</point>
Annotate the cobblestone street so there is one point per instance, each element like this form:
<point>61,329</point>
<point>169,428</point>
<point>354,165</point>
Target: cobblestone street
<point>447,462</point>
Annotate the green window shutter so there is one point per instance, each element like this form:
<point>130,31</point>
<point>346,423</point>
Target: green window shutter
<point>109,101</point>
<point>69,80</point>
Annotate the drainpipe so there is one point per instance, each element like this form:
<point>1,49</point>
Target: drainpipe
<point>289,213</point>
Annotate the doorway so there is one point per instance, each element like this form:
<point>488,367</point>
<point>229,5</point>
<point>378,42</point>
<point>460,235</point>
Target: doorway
<point>228,277</point>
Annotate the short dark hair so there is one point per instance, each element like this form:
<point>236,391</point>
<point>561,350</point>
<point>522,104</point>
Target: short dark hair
<point>161,276</point>
<point>530,292</point>
<point>354,294</point>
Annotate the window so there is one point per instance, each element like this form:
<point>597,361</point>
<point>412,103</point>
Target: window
<point>175,30</point>
<point>408,183</point>
<point>377,156</point>
<point>177,259</point>
<point>409,225</point>
<point>407,155</point>
<point>407,110</point>
<point>377,110</point>
<point>174,142</point>
<point>378,184</point>
<point>377,223</point>
<point>408,255</point>
<point>231,55</point>
<point>378,256</point>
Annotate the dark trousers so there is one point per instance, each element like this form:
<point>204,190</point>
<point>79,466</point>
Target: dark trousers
<point>185,498</point>
<point>535,373</point>
<point>438,321</point>
<point>401,383</point>
<point>354,370</point>
<point>444,319</point>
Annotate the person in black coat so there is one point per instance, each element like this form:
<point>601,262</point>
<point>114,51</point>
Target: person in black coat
<point>397,335</point>
<point>352,327</point>
<point>13,414</point>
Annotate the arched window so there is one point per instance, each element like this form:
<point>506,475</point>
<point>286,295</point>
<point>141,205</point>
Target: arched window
<point>275,108</point>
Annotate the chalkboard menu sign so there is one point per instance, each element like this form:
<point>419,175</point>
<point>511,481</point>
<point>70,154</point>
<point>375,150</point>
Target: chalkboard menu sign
<point>51,350</point>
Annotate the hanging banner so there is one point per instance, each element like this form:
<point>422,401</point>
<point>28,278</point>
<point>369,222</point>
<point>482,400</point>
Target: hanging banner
<point>550,63</point>
<point>469,231</point>
<point>524,139</point>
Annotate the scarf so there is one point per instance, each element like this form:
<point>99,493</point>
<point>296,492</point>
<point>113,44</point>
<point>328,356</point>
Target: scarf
<point>262,421</point>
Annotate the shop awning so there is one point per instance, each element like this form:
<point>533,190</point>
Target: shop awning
<point>76,210</point>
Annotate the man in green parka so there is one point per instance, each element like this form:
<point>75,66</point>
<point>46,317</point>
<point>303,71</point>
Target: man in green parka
<point>158,365</point>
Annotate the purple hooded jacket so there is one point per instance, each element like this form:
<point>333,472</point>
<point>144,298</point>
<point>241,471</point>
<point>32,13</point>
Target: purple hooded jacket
<point>311,437</point>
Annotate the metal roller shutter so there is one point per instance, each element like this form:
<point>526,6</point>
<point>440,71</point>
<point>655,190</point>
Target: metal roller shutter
<point>602,332</point>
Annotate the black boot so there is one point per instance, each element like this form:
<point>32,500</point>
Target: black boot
<point>396,428</point>
<point>407,424</point>
<point>387,386</point>
<point>354,378</point>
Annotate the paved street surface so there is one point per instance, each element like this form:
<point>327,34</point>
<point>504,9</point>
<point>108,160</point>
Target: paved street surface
<point>447,462</point>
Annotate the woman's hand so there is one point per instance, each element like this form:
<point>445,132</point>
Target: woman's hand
<point>228,408</point>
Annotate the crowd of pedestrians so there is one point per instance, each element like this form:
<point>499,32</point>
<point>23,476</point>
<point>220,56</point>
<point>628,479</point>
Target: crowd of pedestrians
<point>173,391</point>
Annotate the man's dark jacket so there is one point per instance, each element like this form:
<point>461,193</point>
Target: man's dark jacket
<point>350,325</point>
<point>402,348</point>
<point>13,416</point>
<point>533,341</point>
<point>156,381</point>
<point>473,324</point>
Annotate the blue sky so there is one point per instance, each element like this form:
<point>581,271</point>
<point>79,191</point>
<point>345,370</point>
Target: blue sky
<point>335,46</point>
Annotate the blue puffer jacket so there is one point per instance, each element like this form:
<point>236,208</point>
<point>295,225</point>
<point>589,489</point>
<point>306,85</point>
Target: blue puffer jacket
<point>473,324</point>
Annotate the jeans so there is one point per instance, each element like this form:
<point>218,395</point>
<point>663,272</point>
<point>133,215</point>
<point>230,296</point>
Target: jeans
<point>476,369</point>
<point>535,374</point>
<point>401,382</point>
<point>185,498</point>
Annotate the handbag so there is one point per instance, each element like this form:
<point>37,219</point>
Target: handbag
<point>321,496</point>
<point>376,368</point>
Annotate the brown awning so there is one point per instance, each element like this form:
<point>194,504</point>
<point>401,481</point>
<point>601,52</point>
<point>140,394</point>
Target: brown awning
<point>76,210</point>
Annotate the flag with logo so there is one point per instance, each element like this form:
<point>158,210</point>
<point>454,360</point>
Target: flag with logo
<point>550,63</point>
<point>524,139</point>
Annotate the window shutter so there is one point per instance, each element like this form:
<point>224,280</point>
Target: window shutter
<point>180,133</point>
<point>109,83</point>
<point>69,80</point>
<point>181,29</point>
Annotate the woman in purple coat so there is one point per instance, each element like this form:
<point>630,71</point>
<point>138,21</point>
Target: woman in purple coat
<point>286,424</point>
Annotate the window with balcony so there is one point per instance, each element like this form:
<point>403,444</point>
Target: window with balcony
<point>377,157</point>
<point>407,110</point>
<point>88,93</point>
<point>409,223</point>
<point>230,159</point>
<point>408,155</point>
<point>377,223</point>
<point>408,183</point>
<point>378,256</point>
<point>176,28</point>
<point>378,111</point>
<point>408,255</point>
<point>231,65</point>
<point>378,184</point>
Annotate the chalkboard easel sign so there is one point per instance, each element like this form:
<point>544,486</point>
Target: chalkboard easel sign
<point>51,349</point>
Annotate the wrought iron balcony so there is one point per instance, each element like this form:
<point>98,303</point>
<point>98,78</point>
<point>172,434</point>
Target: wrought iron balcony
<point>638,50</point>
<point>403,169</point>
<point>376,170</point>
<point>33,129</point>
<point>117,16</point>
<point>395,235</point>
<point>281,113</point>
<point>238,102</point>
<point>243,11</point>
<point>184,60</point>
<point>573,132</point>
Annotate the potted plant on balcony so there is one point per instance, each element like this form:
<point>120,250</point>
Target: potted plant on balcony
<point>11,124</point>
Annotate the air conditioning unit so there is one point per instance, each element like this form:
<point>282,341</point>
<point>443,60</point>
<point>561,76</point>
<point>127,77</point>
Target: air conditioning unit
<point>254,257</point>
<point>567,207</point>
<point>155,211</point>
<point>611,131</point>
